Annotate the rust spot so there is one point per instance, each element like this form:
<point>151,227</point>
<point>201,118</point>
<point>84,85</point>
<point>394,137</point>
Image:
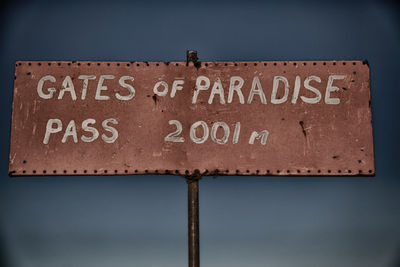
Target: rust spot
<point>302,128</point>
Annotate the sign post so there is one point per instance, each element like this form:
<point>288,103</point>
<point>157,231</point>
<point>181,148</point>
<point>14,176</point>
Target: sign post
<point>192,119</point>
<point>193,199</point>
<point>193,220</point>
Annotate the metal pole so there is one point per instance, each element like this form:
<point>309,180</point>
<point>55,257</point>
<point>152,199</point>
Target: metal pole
<point>193,222</point>
<point>193,198</point>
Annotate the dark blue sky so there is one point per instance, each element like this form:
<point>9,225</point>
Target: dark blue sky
<point>245,221</point>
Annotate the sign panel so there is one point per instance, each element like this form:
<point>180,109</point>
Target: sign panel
<point>225,118</point>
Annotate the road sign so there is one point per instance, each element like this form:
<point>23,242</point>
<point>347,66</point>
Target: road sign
<point>225,118</point>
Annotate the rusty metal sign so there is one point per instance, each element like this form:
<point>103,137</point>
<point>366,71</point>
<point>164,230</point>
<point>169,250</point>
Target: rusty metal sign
<point>225,118</point>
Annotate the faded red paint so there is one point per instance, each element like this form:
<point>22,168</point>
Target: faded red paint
<point>304,139</point>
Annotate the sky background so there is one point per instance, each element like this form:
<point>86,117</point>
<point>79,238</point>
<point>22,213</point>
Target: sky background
<point>244,221</point>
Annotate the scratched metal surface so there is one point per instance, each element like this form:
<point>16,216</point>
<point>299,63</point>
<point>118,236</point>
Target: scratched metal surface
<point>304,139</point>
